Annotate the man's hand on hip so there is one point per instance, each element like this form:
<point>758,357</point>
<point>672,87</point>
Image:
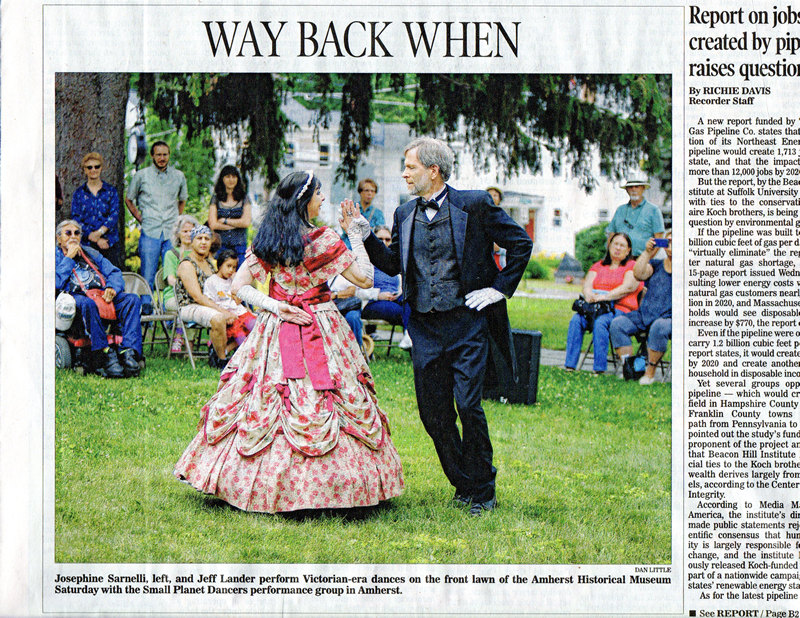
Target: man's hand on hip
<point>479,299</point>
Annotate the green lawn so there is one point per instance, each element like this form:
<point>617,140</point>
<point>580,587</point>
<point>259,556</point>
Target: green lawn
<point>550,316</point>
<point>583,477</point>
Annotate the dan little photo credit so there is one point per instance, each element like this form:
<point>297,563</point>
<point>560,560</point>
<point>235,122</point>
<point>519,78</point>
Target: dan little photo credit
<point>362,318</point>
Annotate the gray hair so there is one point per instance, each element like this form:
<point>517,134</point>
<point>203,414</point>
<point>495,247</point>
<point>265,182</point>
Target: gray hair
<point>378,228</point>
<point>179,223</point>
<point>60,227</point>
<point>432,152</point>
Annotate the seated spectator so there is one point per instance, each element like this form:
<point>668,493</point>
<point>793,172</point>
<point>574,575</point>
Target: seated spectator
<point>385,300</point>
<point>181,247</point>
<point>194,306</point>
<point>95,206</point>
<point>655,313</point>
<point>343,295</point>
<point>609,279</point>
<point>79,271</point>
<point>218,288</point>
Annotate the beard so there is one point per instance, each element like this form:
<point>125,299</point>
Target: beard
<point>421,188</point>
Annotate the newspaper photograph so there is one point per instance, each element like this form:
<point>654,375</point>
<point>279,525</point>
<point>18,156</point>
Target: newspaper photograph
<point>367,309</point>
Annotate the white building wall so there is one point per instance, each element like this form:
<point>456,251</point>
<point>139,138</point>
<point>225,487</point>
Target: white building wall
<point>578,209</point>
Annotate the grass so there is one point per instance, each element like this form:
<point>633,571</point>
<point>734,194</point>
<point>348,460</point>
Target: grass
<point>531,285</point>
<point>583,477</point>
<point>550,316</point>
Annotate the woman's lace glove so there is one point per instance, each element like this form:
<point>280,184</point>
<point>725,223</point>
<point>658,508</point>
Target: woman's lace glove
<point>357,235</point>
<point>258,299</point>
<point>360,227</point>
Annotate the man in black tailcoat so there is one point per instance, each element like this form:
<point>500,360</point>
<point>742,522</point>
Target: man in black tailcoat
<point>442,244</point>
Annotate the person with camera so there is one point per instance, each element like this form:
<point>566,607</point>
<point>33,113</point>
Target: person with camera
<point>609,290</point>
<point>655,313</point>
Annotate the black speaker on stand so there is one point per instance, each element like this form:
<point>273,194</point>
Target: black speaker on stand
<point>498,384</point>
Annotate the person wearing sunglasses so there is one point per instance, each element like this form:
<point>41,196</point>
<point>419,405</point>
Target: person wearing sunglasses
<point>95,205</point>
<point>99,292</point>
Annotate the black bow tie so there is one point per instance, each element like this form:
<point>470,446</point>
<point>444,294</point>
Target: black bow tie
<point>424,204</point>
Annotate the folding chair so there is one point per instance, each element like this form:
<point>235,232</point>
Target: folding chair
<point>663,365</point>
<point>136,284</point>
<point>377,341</point>
<point>189,341</point>
<point>613,359</point>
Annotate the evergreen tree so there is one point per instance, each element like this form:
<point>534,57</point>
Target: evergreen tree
<point>510,118</point>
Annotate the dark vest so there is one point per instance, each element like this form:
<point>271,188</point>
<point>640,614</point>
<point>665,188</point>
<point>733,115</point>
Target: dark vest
<point>433,265</point>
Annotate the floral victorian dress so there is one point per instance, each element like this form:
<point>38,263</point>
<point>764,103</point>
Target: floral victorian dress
<point>295,422</point>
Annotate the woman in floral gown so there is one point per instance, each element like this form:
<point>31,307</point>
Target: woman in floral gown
<point>295,422</point>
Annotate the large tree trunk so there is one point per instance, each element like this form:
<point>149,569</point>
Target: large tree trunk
<point>90,117</point>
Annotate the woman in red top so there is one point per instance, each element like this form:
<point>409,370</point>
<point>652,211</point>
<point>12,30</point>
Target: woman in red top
<point>609,279</point>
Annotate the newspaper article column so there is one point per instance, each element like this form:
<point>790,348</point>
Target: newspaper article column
<point>742,267</point>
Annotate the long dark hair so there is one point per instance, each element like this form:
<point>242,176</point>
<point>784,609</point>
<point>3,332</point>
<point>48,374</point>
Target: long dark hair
<point>280,237</point>
<point>607,259</point>
<point>239,191</point>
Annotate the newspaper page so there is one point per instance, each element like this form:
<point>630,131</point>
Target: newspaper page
<point>734,514</point>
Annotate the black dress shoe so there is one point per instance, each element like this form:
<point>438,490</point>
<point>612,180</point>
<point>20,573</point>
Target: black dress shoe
<point>461,499</point>
<point>109,366</point>
<point>129,363</point>
<point>478,508</point>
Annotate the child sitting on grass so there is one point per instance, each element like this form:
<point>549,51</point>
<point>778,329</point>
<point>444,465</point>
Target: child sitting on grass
<point>218,289</point>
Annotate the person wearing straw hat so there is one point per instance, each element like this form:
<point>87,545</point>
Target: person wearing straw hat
<point>639,219</point>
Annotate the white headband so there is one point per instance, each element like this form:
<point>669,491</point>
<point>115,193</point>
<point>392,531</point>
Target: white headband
<point>308,183</point>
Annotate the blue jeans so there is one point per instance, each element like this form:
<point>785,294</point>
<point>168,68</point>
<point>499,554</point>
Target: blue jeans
<point>392,311</point>
<point>600,337</point>
<point>354,320</point>
<point>659,332</point>
<point>128,308</point>
<point>151,250</point>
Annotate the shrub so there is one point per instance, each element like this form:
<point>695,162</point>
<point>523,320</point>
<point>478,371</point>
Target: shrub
<point>132,259</point>
<point>551,261</point>
<point>197,206</point>
<point>590,245</point>
<point>538,268</point>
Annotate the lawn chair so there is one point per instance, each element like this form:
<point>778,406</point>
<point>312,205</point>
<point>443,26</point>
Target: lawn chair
<point>190,341</point>
<point>378,341</point>
<point>613,359</point>
<point>136,284</point>
<point>664,365</point>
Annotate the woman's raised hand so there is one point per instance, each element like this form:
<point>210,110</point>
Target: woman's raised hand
<point>352,221</point>
<point>349,212</point>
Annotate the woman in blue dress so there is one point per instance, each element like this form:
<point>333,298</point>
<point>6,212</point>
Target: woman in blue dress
<point>95,205</point>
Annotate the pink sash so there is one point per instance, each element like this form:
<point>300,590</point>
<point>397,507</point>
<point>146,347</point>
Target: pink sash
<point>304,343</point>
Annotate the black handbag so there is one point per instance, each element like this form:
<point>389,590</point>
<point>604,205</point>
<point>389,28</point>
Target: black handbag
<point>590,311</point>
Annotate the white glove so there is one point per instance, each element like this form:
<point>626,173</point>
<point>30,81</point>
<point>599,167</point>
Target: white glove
<point>360,227</point>
<point>357,243</point>
<point>251,295</point>
<point>479,299</point>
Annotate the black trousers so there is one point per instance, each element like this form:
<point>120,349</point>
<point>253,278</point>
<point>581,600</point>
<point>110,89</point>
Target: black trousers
<point>449,356</point>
